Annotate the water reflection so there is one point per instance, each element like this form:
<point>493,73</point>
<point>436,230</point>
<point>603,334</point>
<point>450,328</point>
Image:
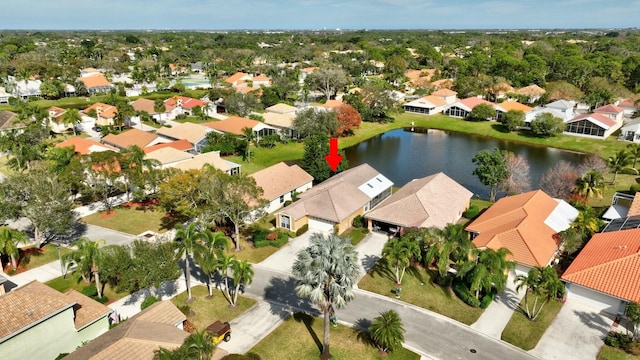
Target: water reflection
<point>405,155</point>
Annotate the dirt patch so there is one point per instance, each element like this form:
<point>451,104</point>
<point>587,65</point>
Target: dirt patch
<point>109,215</point>
<point>134,204</point>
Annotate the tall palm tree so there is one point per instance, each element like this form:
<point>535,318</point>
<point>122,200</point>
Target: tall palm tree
<point>587,223</point>
<point>489,270</point>
<point>160,108</point>
<point>71,117</point>
<point>399,252</point>
<point>242,275</point>
<point>540,282</point>
<point>186,243</point>
<point>453,250</point>
<point>634,149</point>
<point>326,272</point>
<point>9,241</point>
<point>618,162</point>
<point>215,243</point>
<point>87,257</point>
<point>591,183</point>
<point>249,136</point>
<point>224,262</point>
<point>387,331</point>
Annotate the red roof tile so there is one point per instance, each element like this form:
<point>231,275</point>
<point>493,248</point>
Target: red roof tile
<point>609,109</point>
<point>85,146</point>
<point>472,102</point>
<point>187,102</point>
<point>182,145</point>
<point>609,263</point>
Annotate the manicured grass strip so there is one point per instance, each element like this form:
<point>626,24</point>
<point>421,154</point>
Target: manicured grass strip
<point>131,220</point>
<point>248,252</point>
<point>524,333</point>
<point>32,258</point>
<point>611,353</point>
<point>74,281</point>
<point>208,310</point>
<point>300,337</point>
<point>356,235</point>
<point>420,290</point>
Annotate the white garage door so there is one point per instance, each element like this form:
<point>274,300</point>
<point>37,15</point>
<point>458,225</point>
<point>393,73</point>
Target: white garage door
<point>320,225</point>
<point>521,270</point>
<point>596,300</point>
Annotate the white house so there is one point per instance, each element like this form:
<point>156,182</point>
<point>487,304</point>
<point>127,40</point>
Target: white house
<point>281,183</point>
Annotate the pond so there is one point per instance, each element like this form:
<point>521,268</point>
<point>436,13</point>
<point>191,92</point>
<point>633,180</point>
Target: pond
<point>403,155</point>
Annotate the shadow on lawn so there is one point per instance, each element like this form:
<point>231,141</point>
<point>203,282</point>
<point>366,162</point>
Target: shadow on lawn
<point>308,322</point>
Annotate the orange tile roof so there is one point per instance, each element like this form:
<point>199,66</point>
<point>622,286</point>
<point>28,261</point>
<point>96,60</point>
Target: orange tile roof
<point>145,105</point>
<point>472,102</point>
<point>106,110</point>
<point>84,146</point>
<point>518,224</point>
<point>93,81</point>
<point>435,100</point>
<point>280,179</point>
<point>627,103</point>
<point>129,138</point>
<point>514,105</point>
<point>187,102</point>
<point>332,104</point>
<point>634,209</point>
<point>55,112</point>
<point>236,77</point>
<point>232,124</point>
<point>182,145</point>
<point>609,263</point>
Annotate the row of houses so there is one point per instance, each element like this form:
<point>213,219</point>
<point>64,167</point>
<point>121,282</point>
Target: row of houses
<point>599,123</point>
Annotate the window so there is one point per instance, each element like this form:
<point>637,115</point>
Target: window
<point>281,199</point>
<point>285,222</point>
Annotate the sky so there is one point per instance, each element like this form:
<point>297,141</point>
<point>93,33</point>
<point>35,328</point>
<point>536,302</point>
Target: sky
<point>317,14</point>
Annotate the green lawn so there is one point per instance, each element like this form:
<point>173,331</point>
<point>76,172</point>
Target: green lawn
<point>524,333</point>
<point>420,290</point>
<point>208,310</point>
<point>32,258</point>
<point>131,220</point>
<point>356,235</point>
<point>308,333</point>
<point>611,353</point>
<point>74,281</point>
<point>249,253</point>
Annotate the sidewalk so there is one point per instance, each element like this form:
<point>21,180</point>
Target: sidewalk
<point>95,207</point>
<point>42,273</point>
<point>496,316</point>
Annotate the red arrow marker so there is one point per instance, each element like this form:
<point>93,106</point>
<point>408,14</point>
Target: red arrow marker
<point>333,159</point>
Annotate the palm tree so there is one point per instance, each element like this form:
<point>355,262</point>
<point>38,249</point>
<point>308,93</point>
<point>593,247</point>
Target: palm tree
<point>249,136</point>
<point>186,242</point>
<point>87,257</point>
<point>160,108</point>
<point>634,149</point>
<point>452,251</point>
<point>587,223</point>
<point>326,272</point>
<point>199,346</point>
<point>71,117</point>
<point>387,331</point>
<point>207,260</point>
<point>400,252</point>
<point>540,282</point>
<point>9,241</point>
<point>618,162</point>
<point>489,271</point>
<point>590,184</point>
<point>224,263</point>
<point>242,275</point>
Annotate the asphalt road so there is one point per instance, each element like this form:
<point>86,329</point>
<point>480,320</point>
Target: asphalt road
<point>429,333</point>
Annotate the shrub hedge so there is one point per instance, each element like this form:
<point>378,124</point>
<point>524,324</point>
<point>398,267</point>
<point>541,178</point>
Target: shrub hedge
<point>471,212</point>
<point>150,300</point>
<point>303,229</point>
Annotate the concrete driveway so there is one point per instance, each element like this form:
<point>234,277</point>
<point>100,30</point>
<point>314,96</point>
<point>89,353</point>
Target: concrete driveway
<point>576,333</point>
<point>495,317</point>
<point>282,260</point>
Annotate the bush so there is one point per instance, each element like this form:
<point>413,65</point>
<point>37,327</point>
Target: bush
<point>465,295</point>
<point>358,221</point>
<point>629,171</point>
<point>280,239</point>
<point>365,230</point>
<point>185,309</point>
<point>181,116</point>
<point>101,300</point>
<point>150,300</point>
<point>487,300</point>
<point>90,291</point>
<point>634,188</point>
<point>471,212</point>
<point>287,203</point>
<point>303,229</point>
<point>619,340</point>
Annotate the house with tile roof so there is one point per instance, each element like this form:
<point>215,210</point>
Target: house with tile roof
<point>85,146</point>
<point>449,96</point>
<point>247,82</point>
<point>462,108</point>
<point>127,139</point>
<point>593,125</point>
<point>510,105</point>
<point>167,157</point>
<point>183,105</point>
<point>9,121</point>
<point>55,122</point>
<point>148,106</point>
<point>281,121</point>
<point>527,225</point>
<point>195,134</point>
<point>628,106</point>
<point>96,83</point>
<point>182,145</point>
<point>211,158</point>
<point>281,183</point>
<point>235,124</point>
<point>41,323</point>
<point>604,275</point>
<point>533,92</point>
<point>104,114</point>
<point>432,201</point>
<point>335,202</point>
<point>613,112</point>
<point>159,325</point>
<point>426,105</point>
<point>631,130</point>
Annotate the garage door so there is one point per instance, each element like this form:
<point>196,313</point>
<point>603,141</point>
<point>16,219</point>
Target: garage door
<point>521,270</point>
<point>596,300</point>
<point>320,225</point>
